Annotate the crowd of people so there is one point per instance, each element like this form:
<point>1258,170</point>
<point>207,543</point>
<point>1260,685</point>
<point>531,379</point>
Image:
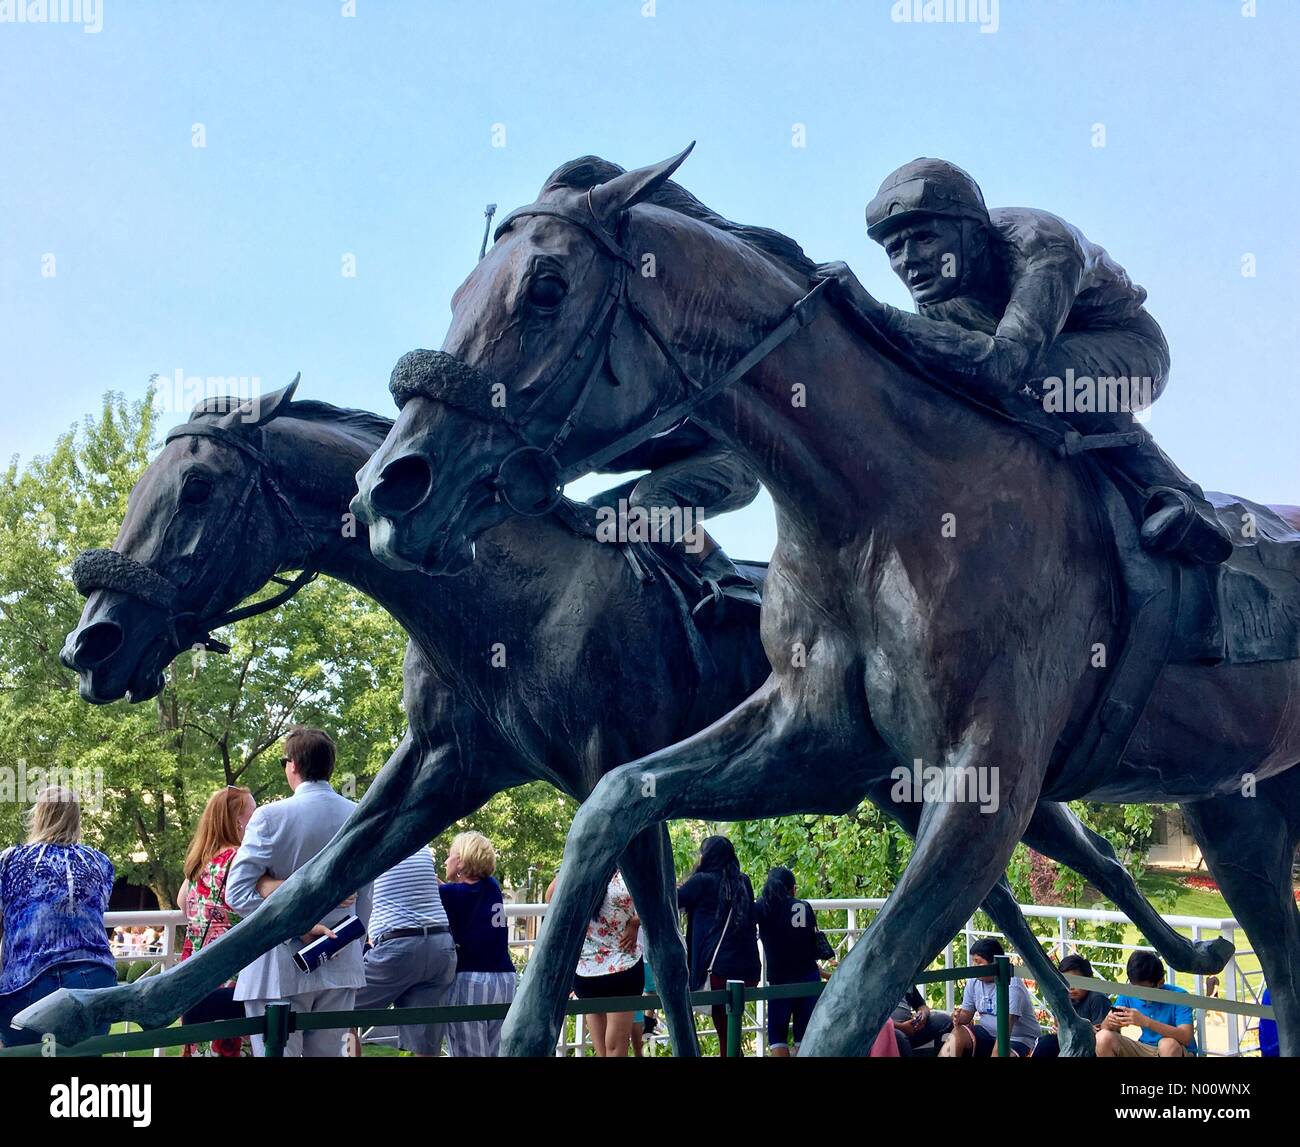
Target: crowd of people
<point>432,942</point>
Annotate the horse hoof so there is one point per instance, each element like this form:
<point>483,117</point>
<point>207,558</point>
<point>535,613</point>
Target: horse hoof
<point>68,1015</point>
<point>1212,955</point>
<point>1077,1040</point>
<point>522,1040</point>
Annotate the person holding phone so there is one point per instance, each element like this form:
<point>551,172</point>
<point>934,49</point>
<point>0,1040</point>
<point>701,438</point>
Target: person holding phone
<point>1168,1030</point>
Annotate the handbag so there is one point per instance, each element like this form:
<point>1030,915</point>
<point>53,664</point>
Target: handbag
<point>220,1003</point>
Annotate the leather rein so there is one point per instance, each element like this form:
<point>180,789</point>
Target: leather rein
<point>108,569</point>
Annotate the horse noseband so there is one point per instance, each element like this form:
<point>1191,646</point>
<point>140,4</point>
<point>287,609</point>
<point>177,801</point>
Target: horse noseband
<point>442,377</point>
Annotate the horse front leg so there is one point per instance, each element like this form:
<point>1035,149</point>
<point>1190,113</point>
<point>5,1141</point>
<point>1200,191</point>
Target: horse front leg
<point>963,844</point>
<point>1077,1035</point>
<point>647,867</point>
<point>1057,833</point>
<point>420,791</point>
<point>756,761</point>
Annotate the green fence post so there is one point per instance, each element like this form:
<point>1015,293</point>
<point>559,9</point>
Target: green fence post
<point>277,1029</point>
<point>735,1016</point>
<point>1003,964</point>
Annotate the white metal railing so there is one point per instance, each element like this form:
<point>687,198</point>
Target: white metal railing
<point>166,953</point>
<point>1218,1033</point>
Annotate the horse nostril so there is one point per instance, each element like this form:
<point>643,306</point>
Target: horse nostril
<point>96,644</point>
<point>403,484</point>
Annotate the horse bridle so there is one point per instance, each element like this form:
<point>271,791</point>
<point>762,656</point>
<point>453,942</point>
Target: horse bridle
<point>445,378</point>
<point>108,569</point>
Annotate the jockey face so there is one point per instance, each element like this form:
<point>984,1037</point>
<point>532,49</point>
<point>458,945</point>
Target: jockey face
<point>929,255</point>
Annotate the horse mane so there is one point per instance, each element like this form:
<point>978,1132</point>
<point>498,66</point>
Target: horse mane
<point>589,170</point>
<point>362,424</point>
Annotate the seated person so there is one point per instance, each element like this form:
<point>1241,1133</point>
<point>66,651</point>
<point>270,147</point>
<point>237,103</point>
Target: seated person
<point>1092,1006</point>
<point>915,1025</point>
<point>1168,1029</point>
<point>979,1038</point>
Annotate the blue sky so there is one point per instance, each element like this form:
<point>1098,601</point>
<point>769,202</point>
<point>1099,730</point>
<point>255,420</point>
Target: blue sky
<point>372,135</point>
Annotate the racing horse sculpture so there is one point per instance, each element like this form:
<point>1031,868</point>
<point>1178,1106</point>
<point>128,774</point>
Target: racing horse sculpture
<point>939,583</point>
<point>592,652</point>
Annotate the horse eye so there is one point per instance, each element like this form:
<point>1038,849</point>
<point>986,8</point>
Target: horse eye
<point>196,491</point>
<point>547,291</point>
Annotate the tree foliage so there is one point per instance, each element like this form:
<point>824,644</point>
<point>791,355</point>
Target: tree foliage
<point>330,657</point>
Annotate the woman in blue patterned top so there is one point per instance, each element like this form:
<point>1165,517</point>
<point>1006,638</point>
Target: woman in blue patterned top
<point>53,894</point>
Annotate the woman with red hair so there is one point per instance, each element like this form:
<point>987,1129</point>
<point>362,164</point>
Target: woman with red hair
<point>202,898</point>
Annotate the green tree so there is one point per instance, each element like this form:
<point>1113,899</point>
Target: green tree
<point>329,657</point>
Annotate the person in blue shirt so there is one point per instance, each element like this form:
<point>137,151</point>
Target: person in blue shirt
<point>1268,1046</point>
<point>1168,1029</point>
<point>54,891</point>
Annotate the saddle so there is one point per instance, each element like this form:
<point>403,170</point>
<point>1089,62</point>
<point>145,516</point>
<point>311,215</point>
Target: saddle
<point>655,560</point>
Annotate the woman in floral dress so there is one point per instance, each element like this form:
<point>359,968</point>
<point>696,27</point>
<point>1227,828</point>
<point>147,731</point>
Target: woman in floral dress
<point>203,900</point>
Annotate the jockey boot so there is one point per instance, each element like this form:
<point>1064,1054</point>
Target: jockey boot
<point>723,584</point>
<point>1181,523</point>
<point>1177,519</point>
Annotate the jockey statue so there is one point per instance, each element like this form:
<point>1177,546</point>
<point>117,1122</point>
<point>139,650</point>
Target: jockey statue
<point>1016,298</point>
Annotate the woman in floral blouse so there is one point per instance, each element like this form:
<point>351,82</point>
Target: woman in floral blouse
<point>611,965</point>
<point>54,891</point>
<point>203,900</point>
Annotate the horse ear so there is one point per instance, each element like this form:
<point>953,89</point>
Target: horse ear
<point>260,411</point>
<point>632,187</point>
<point>247,412</point>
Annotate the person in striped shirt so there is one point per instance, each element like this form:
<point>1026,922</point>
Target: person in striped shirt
<point>412,959</point>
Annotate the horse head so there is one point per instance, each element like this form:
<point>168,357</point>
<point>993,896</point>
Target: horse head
<point>204,528</point>
<point>561,342</point>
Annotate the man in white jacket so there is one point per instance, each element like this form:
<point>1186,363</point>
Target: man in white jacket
<point>281,838</point>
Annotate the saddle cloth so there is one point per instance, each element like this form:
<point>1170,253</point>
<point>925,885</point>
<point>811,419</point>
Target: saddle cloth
<point>1247,609</point>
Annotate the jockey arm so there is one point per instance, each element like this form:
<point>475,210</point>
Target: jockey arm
<point>1043,290</point>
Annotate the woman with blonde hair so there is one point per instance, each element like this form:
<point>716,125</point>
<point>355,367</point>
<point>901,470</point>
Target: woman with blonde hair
<point>485,974</point>
<point>202,898</point>
<point>54,891</point>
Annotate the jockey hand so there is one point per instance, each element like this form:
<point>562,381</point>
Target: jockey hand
<point>843,284</point>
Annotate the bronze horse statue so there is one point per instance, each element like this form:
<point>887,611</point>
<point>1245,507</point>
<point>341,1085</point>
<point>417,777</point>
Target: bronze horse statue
<point>237,496</point>
<point>938,585</point>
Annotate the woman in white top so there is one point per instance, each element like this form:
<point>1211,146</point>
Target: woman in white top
<point>611,965</point>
